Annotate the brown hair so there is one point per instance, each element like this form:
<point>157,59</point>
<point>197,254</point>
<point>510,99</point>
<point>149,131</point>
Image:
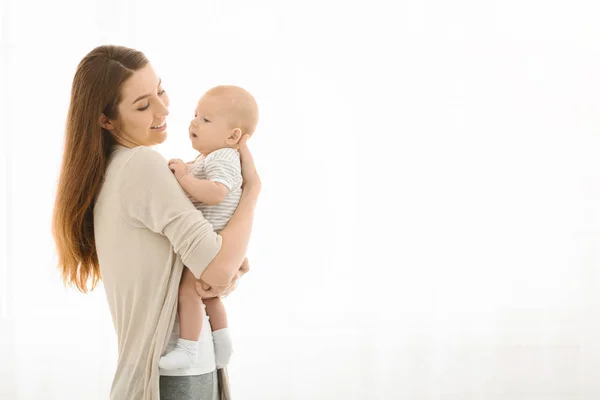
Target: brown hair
<point>96,90</point>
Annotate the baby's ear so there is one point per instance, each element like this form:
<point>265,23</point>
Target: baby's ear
<point>235,136</point>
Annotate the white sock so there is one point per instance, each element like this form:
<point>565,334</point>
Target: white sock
<point>182,356</point>
<point>223,347</point>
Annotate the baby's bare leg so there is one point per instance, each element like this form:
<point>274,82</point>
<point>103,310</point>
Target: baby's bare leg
<point>216,311</point>
<point>189,308</point>
<point>190,321</point>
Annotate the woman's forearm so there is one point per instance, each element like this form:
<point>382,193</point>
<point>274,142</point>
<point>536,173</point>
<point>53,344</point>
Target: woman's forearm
<point>236,236</point>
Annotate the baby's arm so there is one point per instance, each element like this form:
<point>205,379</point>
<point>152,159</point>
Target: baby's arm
<point>206,191</point>
<point>222,169</point>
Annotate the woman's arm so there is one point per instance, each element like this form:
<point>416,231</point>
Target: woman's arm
<point>236,234</point>
<point>206,291</point>
<point>152,198</point>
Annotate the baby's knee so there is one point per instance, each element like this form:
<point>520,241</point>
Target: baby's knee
<point>187,290</point>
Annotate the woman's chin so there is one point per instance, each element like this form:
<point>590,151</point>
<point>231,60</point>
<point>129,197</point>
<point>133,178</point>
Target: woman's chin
<point>160,137</point>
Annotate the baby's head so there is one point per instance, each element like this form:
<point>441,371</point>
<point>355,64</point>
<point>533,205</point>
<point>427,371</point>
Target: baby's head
<point>223,115</point>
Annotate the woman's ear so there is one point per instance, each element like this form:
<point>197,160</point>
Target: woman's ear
<point>235,137</point>
<point>106,123</point>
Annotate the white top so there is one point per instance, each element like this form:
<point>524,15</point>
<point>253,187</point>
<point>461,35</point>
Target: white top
<point>145,230</point>
<point>222,166</point>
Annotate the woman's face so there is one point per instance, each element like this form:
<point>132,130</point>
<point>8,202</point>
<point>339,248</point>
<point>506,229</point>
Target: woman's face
<point>143,110</point>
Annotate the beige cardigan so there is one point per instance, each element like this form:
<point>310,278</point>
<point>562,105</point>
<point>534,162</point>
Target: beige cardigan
<point>145,229</point>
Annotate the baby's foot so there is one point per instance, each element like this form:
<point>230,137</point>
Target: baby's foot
<point>223,347</point>
<point>182,356</point>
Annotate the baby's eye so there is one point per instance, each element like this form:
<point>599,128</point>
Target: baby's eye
<point>205,120</point>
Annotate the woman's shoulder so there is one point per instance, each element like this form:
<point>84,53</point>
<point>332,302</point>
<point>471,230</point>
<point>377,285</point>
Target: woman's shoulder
<point>140,155</point>
<point>141,158</point>
<point>136,166</point>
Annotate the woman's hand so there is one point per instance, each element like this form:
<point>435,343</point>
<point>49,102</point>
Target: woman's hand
<point>249,173</point>
<point>245,267</point>
<point>206,291</point>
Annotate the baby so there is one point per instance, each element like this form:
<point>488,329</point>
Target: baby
<point>214,183</point>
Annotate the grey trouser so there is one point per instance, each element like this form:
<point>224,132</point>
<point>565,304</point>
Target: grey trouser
<point>195,387</point>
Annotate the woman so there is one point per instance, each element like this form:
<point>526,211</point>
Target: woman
<point>121,215</point>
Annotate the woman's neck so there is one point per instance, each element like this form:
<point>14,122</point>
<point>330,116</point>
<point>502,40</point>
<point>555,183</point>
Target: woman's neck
<point>123,141</point>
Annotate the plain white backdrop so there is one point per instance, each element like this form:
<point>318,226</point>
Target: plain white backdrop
<point>429,226</point>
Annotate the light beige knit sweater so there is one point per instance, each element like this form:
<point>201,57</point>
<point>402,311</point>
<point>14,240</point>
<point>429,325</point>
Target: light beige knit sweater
<point>145,229</point>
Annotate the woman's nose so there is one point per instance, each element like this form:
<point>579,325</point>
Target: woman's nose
<point>163,111</point>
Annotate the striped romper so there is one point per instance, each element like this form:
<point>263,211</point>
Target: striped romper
<point>222,166</point>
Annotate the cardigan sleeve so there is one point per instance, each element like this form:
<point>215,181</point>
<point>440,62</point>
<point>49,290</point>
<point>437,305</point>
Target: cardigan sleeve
<point>151,198</point>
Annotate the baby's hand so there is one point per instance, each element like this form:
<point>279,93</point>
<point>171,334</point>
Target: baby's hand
<point>178,167</point>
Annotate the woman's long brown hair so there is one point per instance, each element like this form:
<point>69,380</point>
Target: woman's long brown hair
<point>96,90</point>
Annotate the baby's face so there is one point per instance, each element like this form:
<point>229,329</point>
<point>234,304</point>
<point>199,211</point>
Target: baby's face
<point>209,130</point>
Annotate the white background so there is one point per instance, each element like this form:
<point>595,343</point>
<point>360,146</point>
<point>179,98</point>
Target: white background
<point>429,225</point>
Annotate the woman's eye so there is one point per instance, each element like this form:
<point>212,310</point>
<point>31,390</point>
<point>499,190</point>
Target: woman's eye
<point>162,92</point>
<point>144,108</point>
